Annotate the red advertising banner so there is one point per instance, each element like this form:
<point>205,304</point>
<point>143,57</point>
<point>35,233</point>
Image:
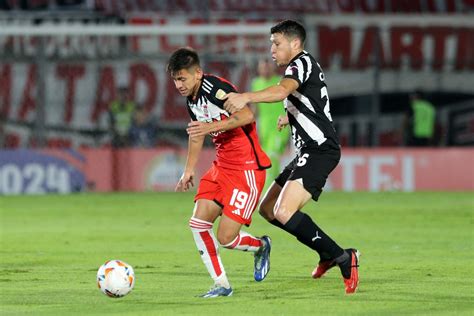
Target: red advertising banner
<point>82,73</point>
<point>139,169</point>
<point>398,169</point>
<point>105,170</point>
<point>297,6</point>
<point>404,170</point>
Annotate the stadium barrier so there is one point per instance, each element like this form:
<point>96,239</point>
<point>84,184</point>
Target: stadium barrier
<point>26,171</point>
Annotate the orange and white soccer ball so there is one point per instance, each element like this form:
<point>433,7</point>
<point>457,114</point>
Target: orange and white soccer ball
<point>115,278</point>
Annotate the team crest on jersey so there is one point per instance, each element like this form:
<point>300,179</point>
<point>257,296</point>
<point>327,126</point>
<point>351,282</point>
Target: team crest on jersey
<point>220,94</point>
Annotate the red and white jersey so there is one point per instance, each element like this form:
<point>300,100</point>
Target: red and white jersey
<point>238,148</point>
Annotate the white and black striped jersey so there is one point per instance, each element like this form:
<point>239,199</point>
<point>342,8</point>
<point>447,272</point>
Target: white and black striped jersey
<point>308,106</point>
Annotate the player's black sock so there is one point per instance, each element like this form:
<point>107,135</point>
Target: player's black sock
<point>324,256</point>
<point>307,232</point>
<point>344,262</point>
<point>276,223</point>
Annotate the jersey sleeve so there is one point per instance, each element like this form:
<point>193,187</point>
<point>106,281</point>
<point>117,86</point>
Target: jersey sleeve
<point>216,87</point>
<point>299,70</point>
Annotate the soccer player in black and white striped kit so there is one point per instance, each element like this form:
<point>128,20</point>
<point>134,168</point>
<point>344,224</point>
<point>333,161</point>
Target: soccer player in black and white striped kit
<point>306,103</point>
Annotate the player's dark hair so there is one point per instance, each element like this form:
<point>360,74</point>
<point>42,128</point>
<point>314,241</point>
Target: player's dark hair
<point>290,28</point>
<point>183,58</point>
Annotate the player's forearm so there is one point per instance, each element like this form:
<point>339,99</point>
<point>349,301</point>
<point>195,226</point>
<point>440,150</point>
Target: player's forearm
<point>271,94</point>
<point>237,119</point>
<point>194,149</point>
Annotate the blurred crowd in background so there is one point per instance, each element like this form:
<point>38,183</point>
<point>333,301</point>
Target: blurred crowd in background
<point>399,73</point>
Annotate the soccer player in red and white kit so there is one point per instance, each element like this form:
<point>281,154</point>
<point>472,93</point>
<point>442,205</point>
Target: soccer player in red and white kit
<point>232,186</point>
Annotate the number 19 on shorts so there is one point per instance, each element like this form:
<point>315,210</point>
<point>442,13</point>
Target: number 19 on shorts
<point>239,199</point>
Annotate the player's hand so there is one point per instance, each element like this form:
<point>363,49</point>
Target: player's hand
<point>185,182</point>
<point>197,128</point>
<point>282,122</point>
<point>235,102</point>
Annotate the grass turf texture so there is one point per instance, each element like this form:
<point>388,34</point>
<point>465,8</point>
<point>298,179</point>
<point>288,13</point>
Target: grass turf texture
<point>417,257</point>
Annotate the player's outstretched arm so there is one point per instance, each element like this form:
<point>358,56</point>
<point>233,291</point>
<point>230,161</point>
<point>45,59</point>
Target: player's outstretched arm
<point>236,101</point>
<point>238,119</point>
<point>194,149</point>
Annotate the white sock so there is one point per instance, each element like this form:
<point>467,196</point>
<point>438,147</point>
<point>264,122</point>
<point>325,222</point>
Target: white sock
<point>207,245</point>
<point>245,242</point>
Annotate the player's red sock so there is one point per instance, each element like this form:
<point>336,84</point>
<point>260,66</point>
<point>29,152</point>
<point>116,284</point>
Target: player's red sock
<point>245,242</point>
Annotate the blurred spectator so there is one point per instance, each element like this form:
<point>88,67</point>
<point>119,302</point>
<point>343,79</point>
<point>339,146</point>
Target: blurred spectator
<point>143,131</point>
<point>420,121</point>
<point>273,142</point>
<point>121,113</point>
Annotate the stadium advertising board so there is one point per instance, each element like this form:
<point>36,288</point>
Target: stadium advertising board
<point>394,169</point>
<point>38,172</point>
<point>397,169</point>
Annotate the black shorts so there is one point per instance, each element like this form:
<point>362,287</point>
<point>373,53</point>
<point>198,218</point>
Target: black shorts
<point>313,166</point>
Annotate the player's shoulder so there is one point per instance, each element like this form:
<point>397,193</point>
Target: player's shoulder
<point>212,81</point>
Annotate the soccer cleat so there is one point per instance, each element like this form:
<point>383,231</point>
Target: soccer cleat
<point>352,283</point>
<point>216,291</point>
<point>262,259</point>
<point>322,268</point>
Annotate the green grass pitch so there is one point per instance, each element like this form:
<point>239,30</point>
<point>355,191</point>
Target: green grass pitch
<point>417,257</point>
